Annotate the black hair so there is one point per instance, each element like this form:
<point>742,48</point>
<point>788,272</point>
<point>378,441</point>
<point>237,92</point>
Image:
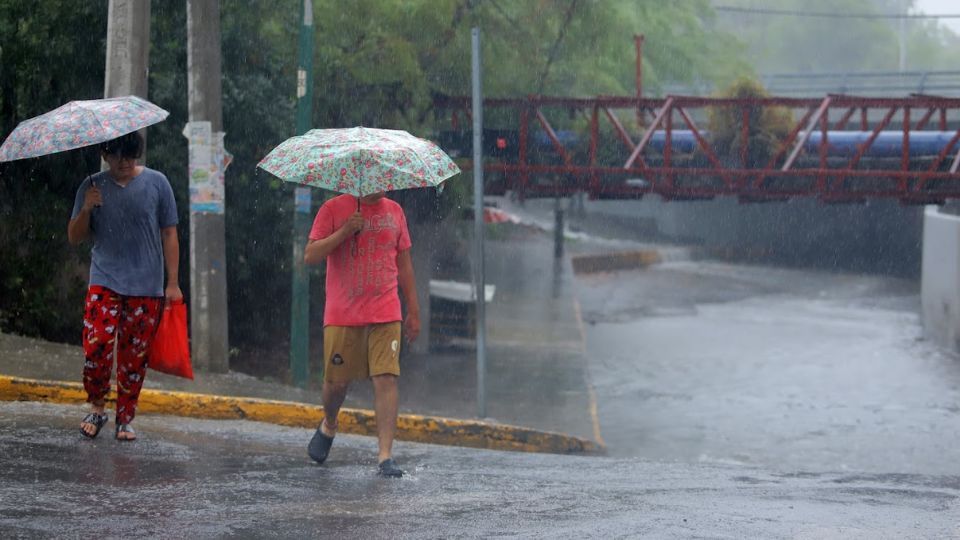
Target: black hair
<point>128,146</point>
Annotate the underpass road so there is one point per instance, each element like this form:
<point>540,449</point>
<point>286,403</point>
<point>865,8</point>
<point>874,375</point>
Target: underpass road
<point>703,361</point>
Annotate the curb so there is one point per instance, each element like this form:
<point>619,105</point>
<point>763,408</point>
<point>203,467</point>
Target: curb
<point>410,427</point>
<point>586,264</point>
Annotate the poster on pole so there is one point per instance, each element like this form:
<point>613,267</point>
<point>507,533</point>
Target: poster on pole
<point>208,161</point>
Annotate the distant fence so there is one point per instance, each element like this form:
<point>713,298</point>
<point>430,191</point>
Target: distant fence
<point>874,83</point>
<point>837,148</point>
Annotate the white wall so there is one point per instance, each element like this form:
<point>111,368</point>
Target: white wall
<point>940,278</point>
<point>881,236</point>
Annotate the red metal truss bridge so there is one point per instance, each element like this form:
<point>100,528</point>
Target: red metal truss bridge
<point>840,148</point>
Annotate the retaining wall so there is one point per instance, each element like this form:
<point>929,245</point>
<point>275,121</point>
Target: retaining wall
<point>940,278</point>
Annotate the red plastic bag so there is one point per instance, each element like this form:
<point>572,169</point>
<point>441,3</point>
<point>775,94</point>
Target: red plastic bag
<point>170,350</point>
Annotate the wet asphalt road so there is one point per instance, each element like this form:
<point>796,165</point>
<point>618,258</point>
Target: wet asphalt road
<point>701,361</point>
<point>214,479</point>
<point>786,369</point>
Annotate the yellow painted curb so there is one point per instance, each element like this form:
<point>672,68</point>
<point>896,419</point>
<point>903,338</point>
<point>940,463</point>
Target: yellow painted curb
<point>410,427</point>
<point>585,264</point>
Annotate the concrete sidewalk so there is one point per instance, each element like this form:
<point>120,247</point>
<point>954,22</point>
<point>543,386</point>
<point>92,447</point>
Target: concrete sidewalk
<point>536,376</point>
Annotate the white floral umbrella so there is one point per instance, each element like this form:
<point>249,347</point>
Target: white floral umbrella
<point>359,161</point>
<point>78,124</point>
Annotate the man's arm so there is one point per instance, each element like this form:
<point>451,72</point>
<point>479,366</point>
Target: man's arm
<point>171,262</point>
<point>317,250</point>
<point>407,282</point>
<point>78,229</point>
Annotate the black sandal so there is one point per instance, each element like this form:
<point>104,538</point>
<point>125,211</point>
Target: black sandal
<point>125,428</point>
<point>96,420</point>
<point>319,447</point>
<point>388,468</point>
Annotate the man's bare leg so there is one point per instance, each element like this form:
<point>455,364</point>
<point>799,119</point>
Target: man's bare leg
<point>386,403</point>
<point>333,396</point>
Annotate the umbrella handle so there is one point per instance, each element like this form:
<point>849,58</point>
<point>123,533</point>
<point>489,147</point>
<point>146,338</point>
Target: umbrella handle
<point>358,209</point>
<point>93,184</point>
<point>356,235</point>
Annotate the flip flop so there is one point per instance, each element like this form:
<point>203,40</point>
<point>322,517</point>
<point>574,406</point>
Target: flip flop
<point>97,420</point>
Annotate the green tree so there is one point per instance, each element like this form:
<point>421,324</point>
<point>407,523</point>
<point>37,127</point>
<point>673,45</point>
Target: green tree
<point>41,276</point>
<point>932,46</point>
<point>799,44</point>
<point>768,126</point>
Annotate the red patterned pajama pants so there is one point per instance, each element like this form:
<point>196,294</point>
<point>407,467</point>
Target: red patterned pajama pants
<point>125,324</point>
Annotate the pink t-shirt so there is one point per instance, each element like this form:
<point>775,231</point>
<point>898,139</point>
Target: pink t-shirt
<point>362,271</point>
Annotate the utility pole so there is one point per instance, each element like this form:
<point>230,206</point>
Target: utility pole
<point>128,48</point>
<point>208,268</point>
<point>300,297</point>
<point>480,288</point>
<point>902,64</point>
<point>638,45</point>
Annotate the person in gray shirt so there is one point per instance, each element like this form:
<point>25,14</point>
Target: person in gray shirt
<point>129,213</point>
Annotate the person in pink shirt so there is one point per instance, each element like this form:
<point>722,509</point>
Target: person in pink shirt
<point>366,245</point>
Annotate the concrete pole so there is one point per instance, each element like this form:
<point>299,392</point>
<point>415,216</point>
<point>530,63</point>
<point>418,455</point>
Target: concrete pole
<point>208,269</point>
<point>128,49</point>
<point>557,228</point>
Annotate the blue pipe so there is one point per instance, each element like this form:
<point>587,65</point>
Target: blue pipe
<point>841,143</point>
<point>887,143</point>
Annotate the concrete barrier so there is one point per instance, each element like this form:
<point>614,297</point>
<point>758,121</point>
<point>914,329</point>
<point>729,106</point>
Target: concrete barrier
<point>940,278</point>
<point>410,427</point>
<point>608,262</point>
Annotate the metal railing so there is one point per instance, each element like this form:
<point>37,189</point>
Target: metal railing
<point>872,83</point>
<point>604,160</point>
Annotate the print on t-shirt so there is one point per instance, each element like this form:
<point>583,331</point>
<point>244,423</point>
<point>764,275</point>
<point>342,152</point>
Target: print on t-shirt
<point>366,261</point>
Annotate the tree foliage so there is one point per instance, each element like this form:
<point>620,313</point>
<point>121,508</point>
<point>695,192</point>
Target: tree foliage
<point>767,126</point>
<point>41,277</point>
<point>794,44</point>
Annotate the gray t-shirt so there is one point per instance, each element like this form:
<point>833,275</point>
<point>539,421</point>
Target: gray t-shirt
<point>127,255</point>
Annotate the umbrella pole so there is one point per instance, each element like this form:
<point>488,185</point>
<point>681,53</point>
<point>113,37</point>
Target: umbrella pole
<point>353,239</point>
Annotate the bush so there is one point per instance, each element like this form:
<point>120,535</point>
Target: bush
<point>769,126</point>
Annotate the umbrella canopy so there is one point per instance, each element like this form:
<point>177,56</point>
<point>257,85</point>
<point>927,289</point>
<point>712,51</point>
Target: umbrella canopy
<point>79,123</point>
<point>359,161</point>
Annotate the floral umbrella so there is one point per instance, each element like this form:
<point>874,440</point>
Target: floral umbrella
<point>359,161</point>
<point>79,123</point>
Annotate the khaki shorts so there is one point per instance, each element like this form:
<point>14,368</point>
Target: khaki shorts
<point>359,352</point>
